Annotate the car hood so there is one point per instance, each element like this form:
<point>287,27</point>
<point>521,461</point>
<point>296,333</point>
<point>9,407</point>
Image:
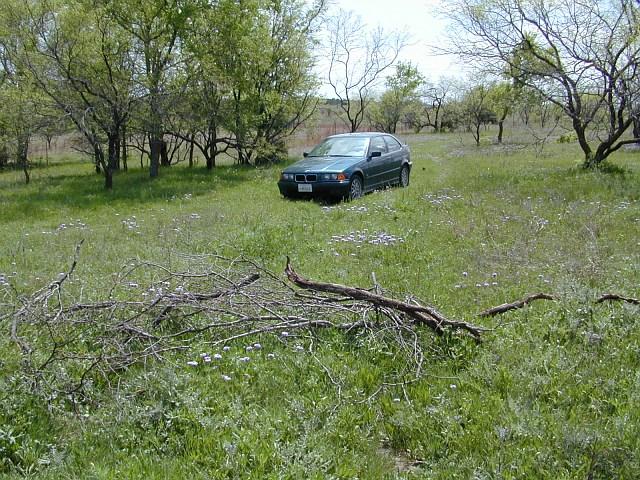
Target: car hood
<point>323,164</point>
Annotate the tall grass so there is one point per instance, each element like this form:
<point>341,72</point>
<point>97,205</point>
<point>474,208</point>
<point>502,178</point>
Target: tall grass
<point>551,392</point>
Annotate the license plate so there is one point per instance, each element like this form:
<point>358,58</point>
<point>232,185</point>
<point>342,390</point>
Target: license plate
<point>305,187</point>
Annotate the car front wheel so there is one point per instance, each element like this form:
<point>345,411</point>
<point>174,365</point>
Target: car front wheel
<point>355,188</point>
<point>404,176</point>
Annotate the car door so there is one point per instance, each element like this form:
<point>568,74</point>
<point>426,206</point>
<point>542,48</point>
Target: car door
<point>394,159</point>
<point>376,166</point>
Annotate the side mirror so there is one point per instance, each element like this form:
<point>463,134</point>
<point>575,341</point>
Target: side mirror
<point>305,154</point>
<point>376,154</point>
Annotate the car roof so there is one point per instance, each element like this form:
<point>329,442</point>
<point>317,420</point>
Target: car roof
<point>360,134</point>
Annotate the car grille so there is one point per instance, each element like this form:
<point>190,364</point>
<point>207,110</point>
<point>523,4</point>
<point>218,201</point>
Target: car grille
<point>310,177</point>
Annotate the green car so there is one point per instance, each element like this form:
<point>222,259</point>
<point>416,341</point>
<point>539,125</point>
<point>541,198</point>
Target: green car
<point>347,166</point>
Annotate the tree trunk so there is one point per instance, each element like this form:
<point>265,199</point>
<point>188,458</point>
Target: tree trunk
<point>116,150</point>
<point>23,150</point>
<point>191,147</point>
<point>590,160</point>
<point>155,145</point>
<point>108,179</point>
<point>113,151</point>
<point>164,154</point>
<point>108,173</point>
<point>123,144</point>
<point>500,130</point>
<point>210,149</point>
<point>47,147</point>
<point>636,129</point>
<point>4,156</point>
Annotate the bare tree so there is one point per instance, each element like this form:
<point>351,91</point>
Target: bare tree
<point>581,55</point>
<point>428,110</point>
<point>358,58</point>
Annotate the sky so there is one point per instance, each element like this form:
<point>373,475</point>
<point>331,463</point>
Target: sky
<point>416,17</point>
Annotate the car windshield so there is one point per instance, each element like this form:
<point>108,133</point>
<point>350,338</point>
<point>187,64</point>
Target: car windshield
<point>341,147</point>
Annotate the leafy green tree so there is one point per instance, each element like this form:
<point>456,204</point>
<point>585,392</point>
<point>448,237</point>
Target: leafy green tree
<point>501,98</point>
<point>20,120</point>
<point>476,109</point>
<point>402,91</point>
<point>263,68</point>
<point>81,61</point>
<point>156,29</point>
<point>22,107</point>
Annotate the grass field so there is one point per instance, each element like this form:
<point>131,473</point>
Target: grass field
<point>551,392</point>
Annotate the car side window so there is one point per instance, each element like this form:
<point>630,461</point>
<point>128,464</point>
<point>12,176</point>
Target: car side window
<point>378,145</point>
<point>392,144</point>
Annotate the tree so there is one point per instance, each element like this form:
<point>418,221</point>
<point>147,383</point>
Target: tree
<point>582,56</point>
<point>428,110</point>
<point>156,28</point>
<point>261,64</point>
<point>20,120</point>
<point>85,72</point>
<point>475,110</point>
<point>502,97</point>
<point>401,92</point>
<point>22,107</point>
<point>283,84</point>
<point>357,60</point>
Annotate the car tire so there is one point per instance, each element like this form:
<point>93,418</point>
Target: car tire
<point>355,188</point>
<point>404,176</point>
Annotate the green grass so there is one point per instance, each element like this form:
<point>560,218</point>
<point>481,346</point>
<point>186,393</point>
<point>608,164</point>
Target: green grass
<point>552,392</point>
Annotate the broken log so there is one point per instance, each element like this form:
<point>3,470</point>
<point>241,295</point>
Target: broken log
<point>505,307</point>
<point>420,314</point>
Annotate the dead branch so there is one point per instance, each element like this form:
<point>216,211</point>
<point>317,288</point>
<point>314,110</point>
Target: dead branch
<point>41,296</point>
<point>67,340</point>
<point>505,307</point>
<point>614,297</point>
<point>421,314</point>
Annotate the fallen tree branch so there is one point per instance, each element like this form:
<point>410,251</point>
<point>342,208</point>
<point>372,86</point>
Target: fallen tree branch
<point>505,307</point>
<point>421,314</point>
<point>40,297</point>
<point>148,312</point>
<point>613,297</point>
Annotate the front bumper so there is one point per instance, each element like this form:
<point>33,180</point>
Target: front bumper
<point>290,188</point>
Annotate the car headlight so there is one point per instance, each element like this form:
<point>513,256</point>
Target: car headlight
<point>333,176</point>
<point>287,176</point>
